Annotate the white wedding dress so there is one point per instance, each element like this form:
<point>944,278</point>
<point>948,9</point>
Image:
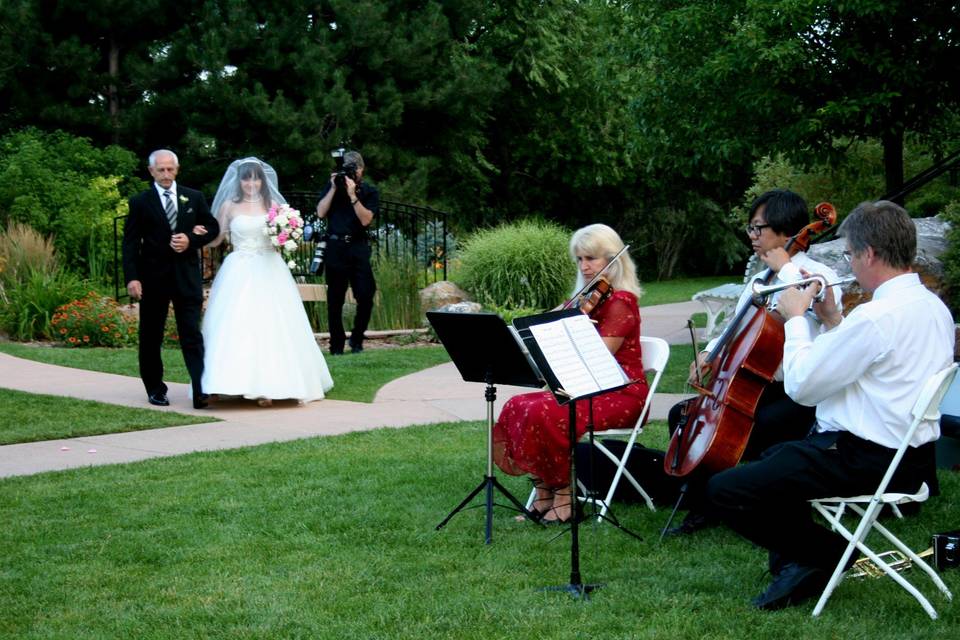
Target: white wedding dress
<point>257,340</point>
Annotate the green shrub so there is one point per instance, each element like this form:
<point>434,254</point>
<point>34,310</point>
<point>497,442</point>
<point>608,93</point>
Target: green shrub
<point>515,265</point>
<point>853,175</point>
<point>68,189</point>
<point>93,321</point>
<point>23,250</point>
<point>951,257</point>
<point>398,306</point>
<point>31,302</point>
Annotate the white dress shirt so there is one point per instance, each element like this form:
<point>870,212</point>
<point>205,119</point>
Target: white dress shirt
<point>173,192</point>
<point>790,272</point>
<point>865,374</point>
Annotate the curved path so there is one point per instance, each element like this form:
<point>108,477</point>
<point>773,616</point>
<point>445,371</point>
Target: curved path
<point>434,395</point>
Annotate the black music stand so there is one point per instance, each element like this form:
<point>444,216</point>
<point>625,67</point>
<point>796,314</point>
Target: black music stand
<point>575,587</point>
<point>484,350</point>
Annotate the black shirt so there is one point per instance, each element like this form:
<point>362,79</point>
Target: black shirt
<point>341,218</point>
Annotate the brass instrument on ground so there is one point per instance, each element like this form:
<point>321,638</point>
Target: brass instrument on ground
<point>865,568</point>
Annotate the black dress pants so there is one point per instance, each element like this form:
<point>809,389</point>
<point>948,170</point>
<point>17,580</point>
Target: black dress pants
<point>766,501</point>
<point>153,318</point>
<point>348,264</point>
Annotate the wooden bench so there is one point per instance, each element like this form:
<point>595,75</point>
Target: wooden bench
<point>318,293</point>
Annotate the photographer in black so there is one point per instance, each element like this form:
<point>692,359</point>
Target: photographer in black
<point>349,205</point>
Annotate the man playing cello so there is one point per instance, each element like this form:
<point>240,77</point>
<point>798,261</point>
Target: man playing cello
<point>775,217</point>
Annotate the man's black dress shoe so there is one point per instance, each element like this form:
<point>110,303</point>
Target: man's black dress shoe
<point>159,399</point>
<point>794,584</point>
<point>693,522</point>
<point>201,402</point>
<point>356,347</point>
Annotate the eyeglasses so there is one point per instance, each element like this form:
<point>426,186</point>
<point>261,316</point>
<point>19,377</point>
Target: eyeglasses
<point>847,256</point>
<point>755,229</point>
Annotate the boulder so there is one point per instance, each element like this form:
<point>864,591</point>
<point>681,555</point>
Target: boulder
<point>931,244</point>
<point>441,293</point>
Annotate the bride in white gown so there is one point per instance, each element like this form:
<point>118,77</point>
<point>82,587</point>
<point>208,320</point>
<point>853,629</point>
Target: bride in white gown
<point>258,341</point>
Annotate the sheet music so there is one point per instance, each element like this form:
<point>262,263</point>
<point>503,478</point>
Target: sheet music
<point>578,356</point>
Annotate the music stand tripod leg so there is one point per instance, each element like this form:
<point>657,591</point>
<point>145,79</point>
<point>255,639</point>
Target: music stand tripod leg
<point>576,587</point>
<point>489,481</point>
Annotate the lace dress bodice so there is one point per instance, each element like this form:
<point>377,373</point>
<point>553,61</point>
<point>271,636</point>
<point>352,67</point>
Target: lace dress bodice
<point>247,234</point>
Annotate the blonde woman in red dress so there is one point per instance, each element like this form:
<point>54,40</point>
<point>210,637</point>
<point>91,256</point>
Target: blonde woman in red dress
<point>532,434</point>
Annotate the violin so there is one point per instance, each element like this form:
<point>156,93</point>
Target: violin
<point>593,297</point>
<point>593,294</point>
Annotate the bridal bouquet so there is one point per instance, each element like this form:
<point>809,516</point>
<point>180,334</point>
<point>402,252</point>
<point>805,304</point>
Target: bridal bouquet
<point>285,228</point>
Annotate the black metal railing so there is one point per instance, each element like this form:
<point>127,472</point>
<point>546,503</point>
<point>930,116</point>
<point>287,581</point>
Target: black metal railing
<point>401,230</point>
<point>950,163</point>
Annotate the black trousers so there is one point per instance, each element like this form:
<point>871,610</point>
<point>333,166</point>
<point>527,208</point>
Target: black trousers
<point>348,264</point>
<point>777,419</point>
<point>153,318</point>
<point>766,501</point>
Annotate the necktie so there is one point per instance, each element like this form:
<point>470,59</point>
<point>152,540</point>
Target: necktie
<point>171,209</point>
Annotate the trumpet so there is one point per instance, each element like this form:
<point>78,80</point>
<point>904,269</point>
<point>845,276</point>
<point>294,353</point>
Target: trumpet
<point>761,291</point>
<point>866,568</point>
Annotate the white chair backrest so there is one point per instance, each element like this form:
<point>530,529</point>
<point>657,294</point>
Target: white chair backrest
<point>927,406</point>
<point>656,352</point>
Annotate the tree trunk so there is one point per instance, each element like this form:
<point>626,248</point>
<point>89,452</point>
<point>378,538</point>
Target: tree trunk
<point>892,140</point>
<point>113,99</point>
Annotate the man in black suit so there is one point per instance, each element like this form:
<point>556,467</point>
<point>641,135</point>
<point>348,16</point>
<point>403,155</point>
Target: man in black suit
<point>167,225</point>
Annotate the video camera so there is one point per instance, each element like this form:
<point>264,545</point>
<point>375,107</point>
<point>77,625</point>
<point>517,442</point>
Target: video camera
<point>348,170</point>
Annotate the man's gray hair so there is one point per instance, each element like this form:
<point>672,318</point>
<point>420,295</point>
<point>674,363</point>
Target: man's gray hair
<point>353,157</point>
<point>886,227</point>
<point>152,160</point>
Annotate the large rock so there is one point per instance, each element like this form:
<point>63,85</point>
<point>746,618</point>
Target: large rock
<point>931,243</point>
<point>440,294</point>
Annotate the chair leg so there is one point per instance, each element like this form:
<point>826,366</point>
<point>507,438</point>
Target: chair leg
<point>915,559</point>
<point>868,521</point>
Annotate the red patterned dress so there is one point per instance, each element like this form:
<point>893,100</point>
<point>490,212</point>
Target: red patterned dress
<point>532,433</point>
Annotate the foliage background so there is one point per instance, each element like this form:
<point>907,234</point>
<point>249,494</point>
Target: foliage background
<point>629,113</point>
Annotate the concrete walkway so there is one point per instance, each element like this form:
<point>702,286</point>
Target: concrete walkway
<point>434,395</point>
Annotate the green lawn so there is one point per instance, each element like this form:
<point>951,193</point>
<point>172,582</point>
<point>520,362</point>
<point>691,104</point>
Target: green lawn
<point>30,417</point>
<point>334,538</point>
<point>356,377</point>
<point>680,289</point>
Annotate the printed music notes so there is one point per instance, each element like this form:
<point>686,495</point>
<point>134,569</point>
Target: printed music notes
<point>577,355</point>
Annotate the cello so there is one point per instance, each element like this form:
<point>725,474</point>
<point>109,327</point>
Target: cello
<point>715,428</point>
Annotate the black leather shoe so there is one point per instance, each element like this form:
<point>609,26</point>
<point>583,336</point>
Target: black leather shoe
<point>356,347</point>
<point>794,584</point>
<point>693,522</point>
<point>201,402</point>
<point>159,399</point>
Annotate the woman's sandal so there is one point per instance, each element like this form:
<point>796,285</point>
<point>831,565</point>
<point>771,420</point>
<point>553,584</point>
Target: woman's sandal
<point>535,513</point>
<point>576,511</point>
<point>265,402</point>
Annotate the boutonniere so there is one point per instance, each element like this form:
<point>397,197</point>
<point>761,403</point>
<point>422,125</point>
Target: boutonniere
<point>184,199</point>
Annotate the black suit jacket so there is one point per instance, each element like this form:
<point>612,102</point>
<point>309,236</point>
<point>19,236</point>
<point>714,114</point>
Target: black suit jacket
<point>147,255</point>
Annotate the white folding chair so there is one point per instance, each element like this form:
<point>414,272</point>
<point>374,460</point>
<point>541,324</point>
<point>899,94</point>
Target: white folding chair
<point>927,407</point>
<point>656,352</point>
